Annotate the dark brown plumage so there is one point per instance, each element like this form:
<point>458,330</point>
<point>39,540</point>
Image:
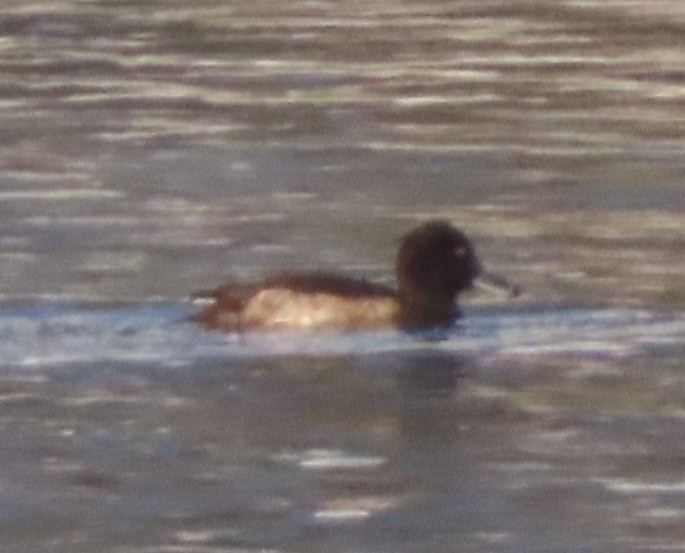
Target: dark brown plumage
<point>434,264</point>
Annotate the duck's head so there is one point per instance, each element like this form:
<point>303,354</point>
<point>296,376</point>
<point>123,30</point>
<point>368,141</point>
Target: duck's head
<point>435,263</point>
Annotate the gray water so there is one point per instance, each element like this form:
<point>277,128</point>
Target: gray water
<point>153,148</point>
<point>128,429</point>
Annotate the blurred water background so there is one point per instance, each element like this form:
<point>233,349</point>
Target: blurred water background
<point>151,148</point>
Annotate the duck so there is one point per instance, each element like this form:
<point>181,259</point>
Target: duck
<point>435,263</point>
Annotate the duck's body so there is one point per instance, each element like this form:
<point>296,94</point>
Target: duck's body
<point>434,264</point>
<point>302,302</point>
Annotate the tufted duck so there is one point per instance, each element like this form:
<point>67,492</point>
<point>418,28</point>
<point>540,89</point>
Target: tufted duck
<point>434,264</point>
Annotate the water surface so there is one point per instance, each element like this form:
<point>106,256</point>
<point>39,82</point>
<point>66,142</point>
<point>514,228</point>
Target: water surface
<point>126,428</point>
<point>153,148</point>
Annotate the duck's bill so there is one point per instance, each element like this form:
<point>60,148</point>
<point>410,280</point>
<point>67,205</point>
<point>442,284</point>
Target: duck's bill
<point>496,284</point>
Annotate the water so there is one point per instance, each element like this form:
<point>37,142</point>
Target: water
<point>126,428</point>
<point>55,334</point>
<point>153,148</point>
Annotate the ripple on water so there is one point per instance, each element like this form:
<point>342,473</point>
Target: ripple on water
<point>48,333</point>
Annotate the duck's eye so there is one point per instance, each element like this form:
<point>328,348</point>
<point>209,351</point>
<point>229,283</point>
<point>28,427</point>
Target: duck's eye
<point>459,251</point>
